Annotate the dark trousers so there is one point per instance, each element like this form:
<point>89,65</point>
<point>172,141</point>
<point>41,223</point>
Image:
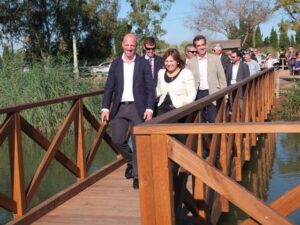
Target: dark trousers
<point>126,116</point>
<point>209,112</point>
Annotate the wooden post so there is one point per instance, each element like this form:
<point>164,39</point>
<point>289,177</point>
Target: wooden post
<point>277,84</point>
<point>81,163</point>
<point>17,168</point>
<point>155,180</point>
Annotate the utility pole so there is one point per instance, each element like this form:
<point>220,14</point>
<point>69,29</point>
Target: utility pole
<point>75,61</point>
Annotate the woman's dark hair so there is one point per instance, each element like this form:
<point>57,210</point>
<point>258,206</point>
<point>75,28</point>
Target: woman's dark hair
<point>175,55</point>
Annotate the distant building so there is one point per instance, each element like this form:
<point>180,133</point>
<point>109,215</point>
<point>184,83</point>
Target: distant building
<point>228,45</point>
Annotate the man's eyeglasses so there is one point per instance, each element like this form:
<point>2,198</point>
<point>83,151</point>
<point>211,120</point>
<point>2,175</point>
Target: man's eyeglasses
<point>194,52</point>
<point>149,49</point>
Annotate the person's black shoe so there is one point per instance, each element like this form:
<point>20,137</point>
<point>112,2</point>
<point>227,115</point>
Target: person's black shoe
<point>128,171</point>
<point>135,183</point>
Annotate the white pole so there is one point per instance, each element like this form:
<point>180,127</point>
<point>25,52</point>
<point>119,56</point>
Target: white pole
<point>76,71</point>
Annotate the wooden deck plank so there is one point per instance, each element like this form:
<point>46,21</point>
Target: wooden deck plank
<point>111,200</point>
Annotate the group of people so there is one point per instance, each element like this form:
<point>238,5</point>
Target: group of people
<point>293,60</point>
<point>140,87</point>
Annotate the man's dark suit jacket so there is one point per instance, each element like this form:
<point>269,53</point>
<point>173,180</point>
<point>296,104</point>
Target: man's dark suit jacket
<point>225,61</point>
<point>242,73</point>
<point>158,64</point>
<point>143,86</point>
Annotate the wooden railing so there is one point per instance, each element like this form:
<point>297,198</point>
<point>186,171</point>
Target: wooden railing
<point>13,127</point>
<point>162,144</point>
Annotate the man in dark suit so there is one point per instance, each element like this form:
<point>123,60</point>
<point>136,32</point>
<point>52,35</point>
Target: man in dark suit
<point>156,62</point>
<point>131,86</point>
<point>218,51</point>
<point>237,70</point>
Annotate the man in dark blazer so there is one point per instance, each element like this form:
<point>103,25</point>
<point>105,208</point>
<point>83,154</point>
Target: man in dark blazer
<point>156,62</point>
<point>237,70</point>
<point>218,51</point>
<point>131,86</point>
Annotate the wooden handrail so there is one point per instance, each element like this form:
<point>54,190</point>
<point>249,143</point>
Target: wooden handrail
<point>26,106</point>
<point>222,184</point>
<point>284,205</point>
<point>12,127</point>
<point>200,103</point>
<point>219,128</point>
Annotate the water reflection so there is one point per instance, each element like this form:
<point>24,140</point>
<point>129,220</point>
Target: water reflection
<point>57,177</point>
<point>273,169</point>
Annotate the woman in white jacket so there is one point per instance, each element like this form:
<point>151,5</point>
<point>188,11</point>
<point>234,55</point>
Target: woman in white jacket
<point>175,84</point>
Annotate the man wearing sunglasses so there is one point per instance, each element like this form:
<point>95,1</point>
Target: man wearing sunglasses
<point>190,52</point>
<point>156,62</point>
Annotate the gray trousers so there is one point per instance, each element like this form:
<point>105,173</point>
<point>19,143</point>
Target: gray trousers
<point>126,117</point>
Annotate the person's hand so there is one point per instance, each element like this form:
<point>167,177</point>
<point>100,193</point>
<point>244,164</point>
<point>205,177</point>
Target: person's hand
<point>148,115</point>
<point>104,117</point>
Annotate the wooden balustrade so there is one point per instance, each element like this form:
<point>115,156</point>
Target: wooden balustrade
<point>228,143</point>
<point>15,124</point>
<point>156,177</point>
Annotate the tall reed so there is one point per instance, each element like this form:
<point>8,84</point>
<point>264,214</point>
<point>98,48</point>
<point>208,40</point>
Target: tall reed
<point>291,106</point>
<point>40,82</point>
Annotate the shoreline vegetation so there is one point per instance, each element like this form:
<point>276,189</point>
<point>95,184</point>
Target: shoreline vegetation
<point>19,85</point>
<point>291,105</point>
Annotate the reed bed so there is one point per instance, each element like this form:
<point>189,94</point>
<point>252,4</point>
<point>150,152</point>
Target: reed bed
<point>291,106</point>
<point>19,84</point>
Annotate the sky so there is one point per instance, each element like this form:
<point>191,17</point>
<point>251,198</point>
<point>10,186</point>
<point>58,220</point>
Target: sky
<point>180,11</point>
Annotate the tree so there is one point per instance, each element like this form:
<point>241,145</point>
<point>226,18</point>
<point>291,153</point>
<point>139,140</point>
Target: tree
<point>273,39</point>
<point>267,42</point>
<point>292,10</point>
<point>47,24</point>
<point>284,41</point>
<point>10,22</point>
<point>292,40</point>
<point>258,38</point>
<point>297,39</point>
<point>225,16</point>
<point>146,16</point>
<point>123,27</point>
<point>6,55</point>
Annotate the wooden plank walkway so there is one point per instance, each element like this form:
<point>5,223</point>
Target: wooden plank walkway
<point>110,201</point>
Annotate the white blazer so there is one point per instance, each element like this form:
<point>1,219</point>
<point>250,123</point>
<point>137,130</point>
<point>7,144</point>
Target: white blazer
<point>181,90</point>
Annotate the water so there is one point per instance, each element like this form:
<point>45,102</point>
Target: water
<point>56,178</point>
<point>274,169</point>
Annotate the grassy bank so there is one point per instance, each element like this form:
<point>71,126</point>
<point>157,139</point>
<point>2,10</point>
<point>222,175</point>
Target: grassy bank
<point>40,82</point>
<point>291,106</point>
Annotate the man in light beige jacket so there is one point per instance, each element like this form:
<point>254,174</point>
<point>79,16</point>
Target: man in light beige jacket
<point>209,76</point>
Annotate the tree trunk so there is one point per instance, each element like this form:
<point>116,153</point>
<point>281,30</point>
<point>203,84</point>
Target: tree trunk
<point>253,38</point>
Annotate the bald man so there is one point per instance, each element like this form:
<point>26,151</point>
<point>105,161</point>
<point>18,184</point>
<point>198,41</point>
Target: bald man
<point>130,82</point>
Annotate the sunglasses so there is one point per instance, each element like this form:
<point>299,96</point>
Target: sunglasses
<point>149,49</point>
<point>194,52</point>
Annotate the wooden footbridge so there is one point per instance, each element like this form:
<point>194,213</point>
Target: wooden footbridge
<point>179,184</point>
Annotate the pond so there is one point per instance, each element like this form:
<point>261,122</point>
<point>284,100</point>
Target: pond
<point>273,169</point>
